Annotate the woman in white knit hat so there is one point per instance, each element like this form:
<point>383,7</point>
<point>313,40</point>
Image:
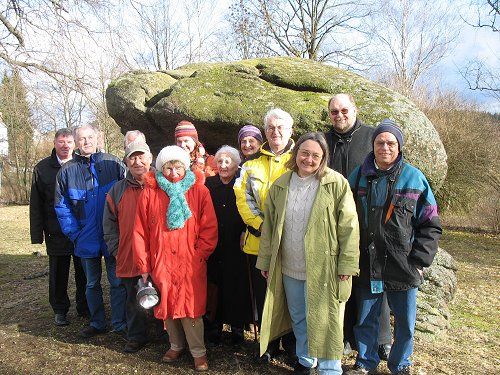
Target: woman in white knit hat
<point>175,232</point>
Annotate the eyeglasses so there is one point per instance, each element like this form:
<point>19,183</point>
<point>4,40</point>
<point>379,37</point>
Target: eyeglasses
<point>390,144</point>
<point>306,154</point>
<point>178,169</point>
<point>279,128</point>
<point>344,111</point>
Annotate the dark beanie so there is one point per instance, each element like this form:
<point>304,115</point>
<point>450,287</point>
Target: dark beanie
<point>250,131</point>
<point>389,126</point>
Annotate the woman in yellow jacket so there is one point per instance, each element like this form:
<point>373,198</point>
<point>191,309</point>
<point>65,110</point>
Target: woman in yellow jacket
<point>257,174</point>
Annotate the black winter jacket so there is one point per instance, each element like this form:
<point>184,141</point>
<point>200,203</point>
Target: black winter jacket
<point>43,219</point>
<point>349,150</point>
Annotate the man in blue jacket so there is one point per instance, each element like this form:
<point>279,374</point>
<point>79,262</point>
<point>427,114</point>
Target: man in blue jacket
<point>81,188</point>
<point>399,234</point>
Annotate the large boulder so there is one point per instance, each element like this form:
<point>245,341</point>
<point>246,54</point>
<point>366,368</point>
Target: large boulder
<point>436,294</point>
<point>219,97</point>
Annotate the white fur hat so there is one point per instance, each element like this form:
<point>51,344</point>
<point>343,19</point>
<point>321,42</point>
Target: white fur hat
<point>172,153</point>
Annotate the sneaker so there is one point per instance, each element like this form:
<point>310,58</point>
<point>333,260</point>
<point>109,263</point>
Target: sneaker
<point>90,331</point>
<point>358,370</point>
<point>383,351</point>
<point>60,320</point>
<point>404,371</point>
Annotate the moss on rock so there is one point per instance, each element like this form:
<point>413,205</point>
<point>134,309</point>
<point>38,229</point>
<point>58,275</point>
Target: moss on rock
<point>219,97</point>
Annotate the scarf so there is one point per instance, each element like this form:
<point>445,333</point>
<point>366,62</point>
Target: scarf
<point>178,209</point>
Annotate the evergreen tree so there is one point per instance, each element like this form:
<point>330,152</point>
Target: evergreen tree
<point>20,131</point>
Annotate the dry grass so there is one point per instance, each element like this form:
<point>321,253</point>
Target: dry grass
<point>31,344</point>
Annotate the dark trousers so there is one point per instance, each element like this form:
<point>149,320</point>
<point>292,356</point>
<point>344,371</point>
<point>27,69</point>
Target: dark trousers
<point>59,266</point>
<point>350,320</point>
<point>135,314</point>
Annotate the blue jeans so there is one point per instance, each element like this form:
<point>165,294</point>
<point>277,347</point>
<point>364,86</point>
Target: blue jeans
<point>295,291</point>
<point>93,292</point>
<point>404,307</point>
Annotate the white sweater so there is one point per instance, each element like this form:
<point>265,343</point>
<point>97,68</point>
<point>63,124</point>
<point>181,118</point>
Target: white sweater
<point>301,195</point>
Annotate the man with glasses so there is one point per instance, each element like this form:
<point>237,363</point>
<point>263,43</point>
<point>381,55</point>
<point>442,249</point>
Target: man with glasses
<point>399,234</point>
<point>349,141</point>
<point>251,188</point>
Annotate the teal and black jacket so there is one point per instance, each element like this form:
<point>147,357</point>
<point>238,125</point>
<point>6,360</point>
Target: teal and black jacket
<point>399,223</point>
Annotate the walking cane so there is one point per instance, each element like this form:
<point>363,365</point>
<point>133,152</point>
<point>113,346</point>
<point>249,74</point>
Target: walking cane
<point>252,299</point>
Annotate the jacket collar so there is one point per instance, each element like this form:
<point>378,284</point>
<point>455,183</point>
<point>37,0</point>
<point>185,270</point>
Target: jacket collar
<point>368,168</point>
<point>265,149</point>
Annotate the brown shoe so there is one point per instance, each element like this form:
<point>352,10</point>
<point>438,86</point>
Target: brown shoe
<point>172,355</point>
<point>201,363</point>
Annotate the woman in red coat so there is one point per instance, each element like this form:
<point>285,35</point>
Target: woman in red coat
<point>175,232</point>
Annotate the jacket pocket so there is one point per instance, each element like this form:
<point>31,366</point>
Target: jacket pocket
<point>399,229</point>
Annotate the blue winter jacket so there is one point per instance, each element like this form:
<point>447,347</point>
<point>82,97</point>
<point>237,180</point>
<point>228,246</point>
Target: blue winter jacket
<point>81,188</point>
<point>399,224</point>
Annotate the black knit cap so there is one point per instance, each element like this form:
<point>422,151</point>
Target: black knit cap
<point>389,126</point>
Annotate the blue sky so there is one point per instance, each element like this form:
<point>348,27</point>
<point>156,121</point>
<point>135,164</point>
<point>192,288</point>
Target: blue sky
<point>473,43</point>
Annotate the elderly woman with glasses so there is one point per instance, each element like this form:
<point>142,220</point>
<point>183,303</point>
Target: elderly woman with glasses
<point>308,253</point>
<point>227,270</point>
<point>175,232</point>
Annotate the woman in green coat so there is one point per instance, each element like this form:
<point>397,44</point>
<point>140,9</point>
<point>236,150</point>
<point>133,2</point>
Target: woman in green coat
<point>309,249</point>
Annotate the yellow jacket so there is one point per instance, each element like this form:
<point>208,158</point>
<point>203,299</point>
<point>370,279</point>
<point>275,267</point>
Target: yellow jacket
<point>251,188</point>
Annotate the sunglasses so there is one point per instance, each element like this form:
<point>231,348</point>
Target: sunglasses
<point>344,111</point>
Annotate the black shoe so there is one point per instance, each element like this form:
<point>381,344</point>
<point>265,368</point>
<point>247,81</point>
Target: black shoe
<point>265,358</point>
<point>90,331</point>
<point>134,346</point>
<point>60,320</point>
<point>383,351</point>
<point>237,336</point>
<point>300,369</point>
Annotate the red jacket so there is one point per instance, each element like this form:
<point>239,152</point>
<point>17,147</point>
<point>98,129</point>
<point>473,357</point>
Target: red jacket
<point>118,224</point>
<point>175,259</point>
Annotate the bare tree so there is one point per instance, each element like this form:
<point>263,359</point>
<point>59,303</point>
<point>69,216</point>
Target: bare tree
<point>483,75</point>
<point>161,32</point>
<point>29,29</point>
<point>202,29</point>
<point>321,30</point>
<point>413,36</point>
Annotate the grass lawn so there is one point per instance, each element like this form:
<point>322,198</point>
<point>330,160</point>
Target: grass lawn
<point>31,344</point>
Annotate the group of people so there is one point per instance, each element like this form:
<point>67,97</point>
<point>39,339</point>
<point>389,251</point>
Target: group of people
<point>274,234</point>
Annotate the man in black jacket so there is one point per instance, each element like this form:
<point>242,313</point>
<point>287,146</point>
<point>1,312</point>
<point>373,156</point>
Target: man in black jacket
<point>349,141</point>
<point>43,222</point>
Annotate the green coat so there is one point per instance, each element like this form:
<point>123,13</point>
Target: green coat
<point>331,249</point>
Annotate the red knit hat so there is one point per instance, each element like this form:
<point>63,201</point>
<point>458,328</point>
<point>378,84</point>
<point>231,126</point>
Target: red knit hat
<point>186,129</point>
